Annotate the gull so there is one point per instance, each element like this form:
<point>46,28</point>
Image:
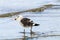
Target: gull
<point>26,22</point>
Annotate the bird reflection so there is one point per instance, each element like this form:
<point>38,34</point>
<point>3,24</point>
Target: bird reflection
<point>26,37</point>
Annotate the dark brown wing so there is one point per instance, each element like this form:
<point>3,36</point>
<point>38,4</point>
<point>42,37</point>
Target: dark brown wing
<point>25,21</point>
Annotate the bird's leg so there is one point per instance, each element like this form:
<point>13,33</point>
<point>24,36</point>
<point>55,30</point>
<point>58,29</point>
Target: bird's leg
<point>31,30</point>
<point>24,38</point>
<point>24,32</point>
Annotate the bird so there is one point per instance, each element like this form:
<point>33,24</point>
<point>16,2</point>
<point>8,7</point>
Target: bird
<point>26,22</point>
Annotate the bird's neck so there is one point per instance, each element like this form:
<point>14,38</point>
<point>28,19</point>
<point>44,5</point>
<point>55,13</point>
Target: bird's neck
<point>19,19</point>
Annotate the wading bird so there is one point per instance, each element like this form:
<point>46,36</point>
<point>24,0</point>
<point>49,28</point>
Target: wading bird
<point>26,22</point>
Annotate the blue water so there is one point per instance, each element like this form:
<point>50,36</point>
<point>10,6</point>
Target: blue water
<point>49,21</point>
<point>9,28</point>
<point>20,5</point>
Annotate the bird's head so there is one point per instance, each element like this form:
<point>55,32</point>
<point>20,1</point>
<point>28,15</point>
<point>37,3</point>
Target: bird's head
<point>18,18</point>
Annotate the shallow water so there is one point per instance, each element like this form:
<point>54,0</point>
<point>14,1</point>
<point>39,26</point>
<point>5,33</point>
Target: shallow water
<point>49,20</point>
<point>49,28</point>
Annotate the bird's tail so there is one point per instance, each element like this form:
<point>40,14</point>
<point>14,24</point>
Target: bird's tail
<point>36,24</point>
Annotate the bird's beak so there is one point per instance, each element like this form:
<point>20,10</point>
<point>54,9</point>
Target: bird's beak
<point>15,18</point>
